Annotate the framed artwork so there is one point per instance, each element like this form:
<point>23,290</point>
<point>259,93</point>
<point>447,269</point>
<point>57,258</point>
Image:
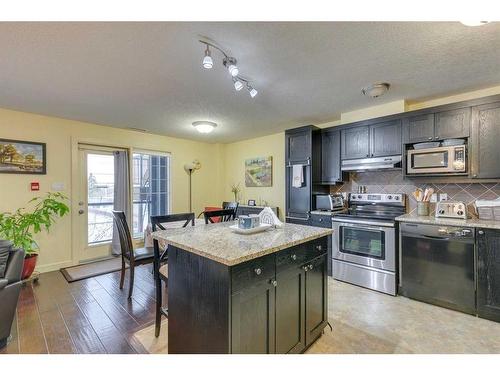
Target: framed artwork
<point>259,172</point>
<point>22,157</point>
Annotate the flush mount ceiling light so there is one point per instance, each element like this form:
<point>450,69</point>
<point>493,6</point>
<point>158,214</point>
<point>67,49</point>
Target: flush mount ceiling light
<point>474,23</point>
<point>204,126</point>
<point>375,90</point>
<point>230,64</point>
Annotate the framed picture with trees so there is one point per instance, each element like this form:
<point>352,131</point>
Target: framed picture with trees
<point>22,157</point>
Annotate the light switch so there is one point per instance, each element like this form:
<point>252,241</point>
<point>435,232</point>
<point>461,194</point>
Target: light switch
<point>434,197</point>
<point>443,197</point>
<point>58,186</point>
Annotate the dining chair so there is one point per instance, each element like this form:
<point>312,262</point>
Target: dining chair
<point>224,215</point>
<point>132,257</point>
<point>161,256</point>
<point>228,205</point>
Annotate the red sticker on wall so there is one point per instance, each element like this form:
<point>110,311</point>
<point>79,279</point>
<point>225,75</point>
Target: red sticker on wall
<point>35,186</point>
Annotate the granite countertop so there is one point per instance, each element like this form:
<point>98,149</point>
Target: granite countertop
<point>472,222</point>
<point>217,242</point>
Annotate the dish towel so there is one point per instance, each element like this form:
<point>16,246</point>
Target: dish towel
<point>297,175</point>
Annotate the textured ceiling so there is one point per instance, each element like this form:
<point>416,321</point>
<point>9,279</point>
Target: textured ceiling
<point>149,75</point>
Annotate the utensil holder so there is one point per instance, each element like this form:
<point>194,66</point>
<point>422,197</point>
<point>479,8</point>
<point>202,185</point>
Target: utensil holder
<point>423,208</point>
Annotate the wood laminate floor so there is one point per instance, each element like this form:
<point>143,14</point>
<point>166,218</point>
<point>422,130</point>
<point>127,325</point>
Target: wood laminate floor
<point>87,316</point>
<point>94,316</point>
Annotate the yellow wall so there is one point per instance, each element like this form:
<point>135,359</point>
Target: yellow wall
<point>233,162</point>
<point>59,134</point>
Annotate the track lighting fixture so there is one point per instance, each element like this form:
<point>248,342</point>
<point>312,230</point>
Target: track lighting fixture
<point>252,91</point>
<point>208,63</point>
<point>237,84</point>
<point>230,64</point>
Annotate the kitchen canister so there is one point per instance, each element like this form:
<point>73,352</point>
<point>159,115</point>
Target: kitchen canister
<point>423,208</point>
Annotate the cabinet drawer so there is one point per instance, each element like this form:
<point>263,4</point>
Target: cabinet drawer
<point>253,271</point>
<point>300,254</point>
<point>324,221</point>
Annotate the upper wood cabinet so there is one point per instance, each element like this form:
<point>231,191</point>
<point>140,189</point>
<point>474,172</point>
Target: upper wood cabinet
<point>484,150</point>
<point>355,142</point>
<point>330,157</point>
<point>452,124</point>
<point>437,126</point>
<point>376,140</point>
<point>298,145</point>
<point>419,128</point>
<point>385,139</point>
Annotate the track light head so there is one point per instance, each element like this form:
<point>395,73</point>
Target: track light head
<point>208,63</point>
<point>238,85</point>
<point>252,91</point>
<point>230,64</point>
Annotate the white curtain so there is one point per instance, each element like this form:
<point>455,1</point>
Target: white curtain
<point>121,195</point>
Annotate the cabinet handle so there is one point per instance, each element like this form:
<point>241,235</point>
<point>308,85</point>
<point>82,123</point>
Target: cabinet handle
<point>436,137</point>
<point>274,283</point>
<point>258,271</point>
<point>294,257</point>
<point>430,138</point>
<point>305,268</point>
<point>480,232</point>
<point>475,175</point>
<point>310,267</point>
<point>319,247</point>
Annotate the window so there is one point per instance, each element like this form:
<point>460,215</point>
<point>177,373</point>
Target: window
<point>150,184</point>
<point>100,196</point>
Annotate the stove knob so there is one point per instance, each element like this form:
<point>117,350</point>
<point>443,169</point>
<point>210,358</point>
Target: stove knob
<point>389,197</point>
<point>359,197</point>
<point>441,212</point>
<point>396,197</point>
<point>460,212</point>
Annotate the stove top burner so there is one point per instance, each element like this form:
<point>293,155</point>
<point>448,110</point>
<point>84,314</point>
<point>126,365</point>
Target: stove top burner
<point>379,207</point>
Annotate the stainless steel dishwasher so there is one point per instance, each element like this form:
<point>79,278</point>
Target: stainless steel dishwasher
<point>437,265</point>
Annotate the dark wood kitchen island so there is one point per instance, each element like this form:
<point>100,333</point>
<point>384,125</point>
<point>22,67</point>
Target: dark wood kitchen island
<point>233,293</point>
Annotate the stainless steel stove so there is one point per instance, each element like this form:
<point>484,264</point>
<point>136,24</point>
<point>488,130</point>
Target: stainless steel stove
<point>364,244</point>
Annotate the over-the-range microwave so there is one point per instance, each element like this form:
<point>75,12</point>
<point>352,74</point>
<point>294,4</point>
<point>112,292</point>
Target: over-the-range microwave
<point>437,160</point>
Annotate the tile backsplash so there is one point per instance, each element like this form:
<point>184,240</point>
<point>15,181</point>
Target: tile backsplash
<point>393,182</point>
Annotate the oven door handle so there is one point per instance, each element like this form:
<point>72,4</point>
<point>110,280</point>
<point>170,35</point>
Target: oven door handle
<point>359,223</point>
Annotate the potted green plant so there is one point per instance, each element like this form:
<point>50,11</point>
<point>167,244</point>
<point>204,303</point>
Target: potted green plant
<point>20,226</point>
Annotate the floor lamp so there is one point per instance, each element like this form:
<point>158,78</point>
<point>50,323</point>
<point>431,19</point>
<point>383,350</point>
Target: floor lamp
<point>190,168</point>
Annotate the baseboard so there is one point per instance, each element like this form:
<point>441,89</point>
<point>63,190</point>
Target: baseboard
<point>53,266</point>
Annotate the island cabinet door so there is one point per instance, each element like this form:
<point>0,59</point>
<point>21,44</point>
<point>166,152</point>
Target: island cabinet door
<point>253,319</point>
<point>290,311</point>
<point>316,298</point>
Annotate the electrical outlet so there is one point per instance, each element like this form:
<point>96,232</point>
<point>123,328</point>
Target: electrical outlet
<point>443,197</point>
<point>434,197</point>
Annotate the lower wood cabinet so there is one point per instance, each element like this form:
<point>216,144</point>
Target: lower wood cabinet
<point>287,311</point>
<point>290,310</point>
<point>252,319</point>
<point>316,298</point>
<point>488,274</point>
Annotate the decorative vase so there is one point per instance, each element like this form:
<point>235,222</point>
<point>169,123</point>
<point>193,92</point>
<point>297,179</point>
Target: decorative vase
<point>29,265</point>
